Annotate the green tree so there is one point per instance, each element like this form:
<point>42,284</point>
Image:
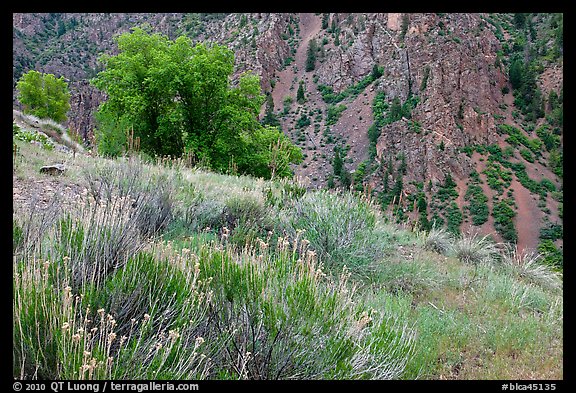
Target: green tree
<point>337,163</point>
<point>516,73</point>
<point>325,17</point>
<point>300,98</point>
<point>177,98</point>
<point>377,71</point>
<point>270,117</point>
<point>44,95</point>
<point>423,209</point>
<point>520,20</point>
<point>311,55</point>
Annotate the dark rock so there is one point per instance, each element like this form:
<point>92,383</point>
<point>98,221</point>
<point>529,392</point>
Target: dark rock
<point>54,169</point>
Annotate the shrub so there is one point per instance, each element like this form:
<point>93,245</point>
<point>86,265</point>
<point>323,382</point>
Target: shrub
<point>527,155</point>
<point>333,113</point>
<point>503,215</point>
<point>454,219</point>
<point>475,250</point>
<point>44,95</point>
<point>551,255</point>
<point>31,136</point>
<point>340,228</point>
<point>551,231</point>
<point>303,121</point>
<point>283,320</point>
<point>528,265</point>
<point>245,208</point>
<point>146,198</point>
<point>151,334</point>
<point>438,240</point>
<point>477,204</point>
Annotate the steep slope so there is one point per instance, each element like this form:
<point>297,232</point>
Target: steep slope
<point>403,99</point>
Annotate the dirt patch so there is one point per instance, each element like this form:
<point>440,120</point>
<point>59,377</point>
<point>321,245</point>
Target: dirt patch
<point>528,217</point>
<point>43,192</point>
<point>354,123</point>
<point>394,20</point>
<point>310,26</point>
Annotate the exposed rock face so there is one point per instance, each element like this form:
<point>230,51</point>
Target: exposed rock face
<point>450,62</point>
<point>83,103</point>
<point>461,78</point>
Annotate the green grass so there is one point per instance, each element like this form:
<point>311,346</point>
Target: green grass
<point>241,278</point>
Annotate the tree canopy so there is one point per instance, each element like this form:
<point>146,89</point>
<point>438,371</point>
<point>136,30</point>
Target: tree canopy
<point>44,95</point>
<point>178,98</point>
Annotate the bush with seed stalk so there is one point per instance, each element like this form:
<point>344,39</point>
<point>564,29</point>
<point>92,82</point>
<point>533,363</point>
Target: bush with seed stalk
<point>342,228</point>
<point>475,250</point>
<point>438,240</point>
<point>527,264</point>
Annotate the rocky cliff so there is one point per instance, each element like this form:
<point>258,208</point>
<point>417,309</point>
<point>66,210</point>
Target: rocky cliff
<point>446,74</point>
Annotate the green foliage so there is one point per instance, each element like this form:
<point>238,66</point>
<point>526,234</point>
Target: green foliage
<point>517,137</point>
<point>454,219</point>
<point>555,108</point>
<point>341,228</point>
<point>527,155</point>
<point>552,255</point>
<point>30,136</point>
<point>379,107</point>
<point>325,18</point>
<point>497,177</point>
<point>177,98</point>
<point>377,71</point>
<point>548,185</point>
<point>556,162</point>
<point>551,232</point>
<point>352,91</point>
<point>516,72</point>
<point>44,95</point>
<point>477,206</point>
<point>423,222</point>
<point>300,97</point>
<point>417,128</point>
<point>447,190</point>
<point>520,20</point>
<point>359,175</point>
<point>271,152</point>
<point>550,140</point>
<point>311,55</point>
<point>303,121</point>
<point>17,235</point>
<point>287,102</point>
<point>333,113</point>
<point>530,184</point>
<point>395,112</point>
<point>503,215</point>
<point>340,170</point>
<point>111,134</point>
<point>475,250</point>
<point>527,94</point>
<point>409,106</point>
<point>270,117</point>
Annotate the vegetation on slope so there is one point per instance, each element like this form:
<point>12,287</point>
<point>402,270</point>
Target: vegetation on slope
<point>169,272</point>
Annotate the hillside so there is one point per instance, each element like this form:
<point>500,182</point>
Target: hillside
<point>126,269</point>
<point>405,99</point>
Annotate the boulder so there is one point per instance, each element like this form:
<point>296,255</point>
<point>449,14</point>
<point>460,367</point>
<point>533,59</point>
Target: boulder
<point>54,169</point>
